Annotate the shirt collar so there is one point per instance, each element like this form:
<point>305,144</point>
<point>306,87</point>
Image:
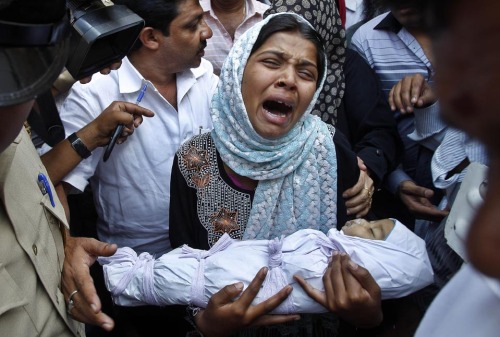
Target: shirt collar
<point>352,5</point>
<point>251,9</point>
<point>389,23</point>
<point>129,78</point>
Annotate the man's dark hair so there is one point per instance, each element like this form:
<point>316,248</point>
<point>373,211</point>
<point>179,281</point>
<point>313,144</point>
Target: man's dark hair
<point>291,23</point>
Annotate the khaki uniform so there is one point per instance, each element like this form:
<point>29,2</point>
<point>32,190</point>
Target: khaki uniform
<point>31,249</point>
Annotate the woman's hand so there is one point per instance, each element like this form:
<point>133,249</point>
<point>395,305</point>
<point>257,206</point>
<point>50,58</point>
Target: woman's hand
<point>359,197</point>
<point>226,315</point>
<point>350,291</point>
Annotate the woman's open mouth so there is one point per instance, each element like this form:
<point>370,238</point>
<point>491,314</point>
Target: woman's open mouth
<point>277,108</point>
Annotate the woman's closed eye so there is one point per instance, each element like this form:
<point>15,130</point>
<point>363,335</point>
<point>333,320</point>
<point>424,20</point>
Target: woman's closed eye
<point>272,63</point>
<point>308,75</point>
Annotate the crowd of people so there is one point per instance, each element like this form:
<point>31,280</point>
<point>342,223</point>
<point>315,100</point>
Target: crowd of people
<point>275,127</point>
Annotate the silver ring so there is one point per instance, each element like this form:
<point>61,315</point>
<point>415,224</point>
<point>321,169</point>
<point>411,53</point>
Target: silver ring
<point>71,303</point>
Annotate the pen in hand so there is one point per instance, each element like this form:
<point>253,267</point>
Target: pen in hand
<point>119,127</point>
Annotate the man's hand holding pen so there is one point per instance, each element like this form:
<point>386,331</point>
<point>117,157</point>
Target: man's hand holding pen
<point>119,129</point>
<point>98,133</point>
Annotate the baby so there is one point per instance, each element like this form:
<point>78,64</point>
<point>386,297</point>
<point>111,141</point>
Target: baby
<point>395,256</point>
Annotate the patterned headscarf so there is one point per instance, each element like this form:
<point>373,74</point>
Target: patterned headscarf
<point>297,173</point>
<point>325,18</point>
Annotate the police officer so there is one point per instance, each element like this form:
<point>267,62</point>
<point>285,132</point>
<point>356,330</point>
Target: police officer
<point>34,239</point>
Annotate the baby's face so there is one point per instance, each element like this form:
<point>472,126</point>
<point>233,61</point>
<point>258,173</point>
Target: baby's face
<point>375,230</point>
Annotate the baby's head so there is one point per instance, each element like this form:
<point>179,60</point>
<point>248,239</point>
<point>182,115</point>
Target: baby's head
<point>392,253</point>
<point>376,230</point>
<point>389,230</point>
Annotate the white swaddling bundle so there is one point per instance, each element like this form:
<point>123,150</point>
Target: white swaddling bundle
<point>189,276</point>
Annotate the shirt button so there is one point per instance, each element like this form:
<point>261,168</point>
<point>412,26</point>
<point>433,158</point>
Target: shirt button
<point>35,249</point>
<point>378,152</point>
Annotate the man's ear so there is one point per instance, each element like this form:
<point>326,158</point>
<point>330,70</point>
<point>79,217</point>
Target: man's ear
<point>149,37</point>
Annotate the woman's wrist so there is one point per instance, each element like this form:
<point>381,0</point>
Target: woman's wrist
<point>193,318</point>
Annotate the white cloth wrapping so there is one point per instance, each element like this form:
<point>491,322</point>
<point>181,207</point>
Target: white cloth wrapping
<point>179,278</point>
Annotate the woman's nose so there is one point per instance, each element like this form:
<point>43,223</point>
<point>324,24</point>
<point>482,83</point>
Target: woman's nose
<point>286,80</point>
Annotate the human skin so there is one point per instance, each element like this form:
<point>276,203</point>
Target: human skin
<point>407,13</point>
<point>187,37</point>
<point>467,86</point>
<point>375,230</point>
<point>351,291</point>
<point>284,69</point>
<point>270,74</point>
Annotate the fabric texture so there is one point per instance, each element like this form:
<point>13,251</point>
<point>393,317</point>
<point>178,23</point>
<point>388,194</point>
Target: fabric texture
<point>325,18</point>
<point>354,12</point>
<point>351,98</point>
<point>187,220</point>
<point>31,249</point>
<point>190,276</point>
<point>394,53</point>
<point>455,147</point>
<point>477,314</point>
<point>209,203</point>
<point>341,5</point>
<point>132,189</point>
<point>367,120</point>
<point>220,43</point>
<point>297,172</point>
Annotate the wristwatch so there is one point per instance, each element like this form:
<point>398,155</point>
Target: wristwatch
<point>78,146</point>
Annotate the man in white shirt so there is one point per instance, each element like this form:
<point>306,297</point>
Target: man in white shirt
<point>132,189</point>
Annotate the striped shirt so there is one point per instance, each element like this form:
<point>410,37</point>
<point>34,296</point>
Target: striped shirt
<point>394,53</point>
<point>220,43</point>
<point>455,147</point>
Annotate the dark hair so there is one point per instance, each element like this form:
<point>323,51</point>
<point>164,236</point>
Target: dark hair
<point>157,14</point>
<point>291,23</point>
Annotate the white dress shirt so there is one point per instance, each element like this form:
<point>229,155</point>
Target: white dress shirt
<point>132,189</point>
